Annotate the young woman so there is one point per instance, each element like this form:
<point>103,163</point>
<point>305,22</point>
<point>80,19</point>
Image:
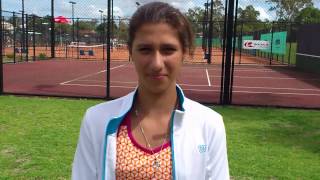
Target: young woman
<point>154,132</point>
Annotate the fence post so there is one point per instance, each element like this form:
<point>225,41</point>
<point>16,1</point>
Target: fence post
<point>103,38</point>
<point>53,38</point>
<point>271,54</point>
<point>78,40</point>
<point>27,39</point>
<point>34,36</point>
<point>14,36</point>
<point>289,58</point>
<point>223,51</point>
<point>227,75</point>
<point>1,58</point>
<point>233,50</point>
<point>240,39</point>
<point>210,32</point>
<point>108,51</point>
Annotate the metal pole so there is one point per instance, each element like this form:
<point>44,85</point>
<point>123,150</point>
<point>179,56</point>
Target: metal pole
<point>34,36</point>
<point>14,36</point>
<point>78,40</point>
<point>226,91</point>
<point>240,39</point>
<point>72,6</point>
<point>234,46</point>
<point>27,38</point>
<point>289,58</point>
<point>271,56</point>
<point>23,28</point>
<point>108,51</point>
<point>223,52</point>
<point>103,39</point>
<point>112,36</point>
<point>210,32</point>
<point>53,38</point>
<point>1,58</point>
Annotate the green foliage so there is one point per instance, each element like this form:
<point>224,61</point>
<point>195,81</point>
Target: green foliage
<point>288,9</point>
<point>42,56</point>
<point>197,16</point>
<point>248,14</point>
<point>248,20</point>
<point>308,15</point>
<point>10,56</point>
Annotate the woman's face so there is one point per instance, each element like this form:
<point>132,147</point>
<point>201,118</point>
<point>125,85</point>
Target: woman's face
<point>157,54</point>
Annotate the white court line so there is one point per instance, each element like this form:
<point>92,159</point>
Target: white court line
<point>249,77</point>
<point>309,55</point>
<point>199,85</point>
<point>201,90</point>
<point>299,94</point>
<point>81,77</point>
<point>208,77</point>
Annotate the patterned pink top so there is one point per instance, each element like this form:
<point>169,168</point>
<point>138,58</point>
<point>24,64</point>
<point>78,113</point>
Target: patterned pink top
<point>137,162</point>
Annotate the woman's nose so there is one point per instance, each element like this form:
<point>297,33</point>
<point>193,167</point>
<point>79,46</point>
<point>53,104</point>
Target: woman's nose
<point>157,62</point>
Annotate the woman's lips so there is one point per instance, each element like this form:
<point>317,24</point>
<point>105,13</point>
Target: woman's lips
<point>158,76</point>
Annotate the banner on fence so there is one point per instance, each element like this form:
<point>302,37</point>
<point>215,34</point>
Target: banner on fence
<point>255,44</point>
<point>279,44</point>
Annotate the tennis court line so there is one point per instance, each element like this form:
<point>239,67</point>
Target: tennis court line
<point>81,77</point>
<point>309,55</point>
<point>253,77</point>
<point>208,77</point>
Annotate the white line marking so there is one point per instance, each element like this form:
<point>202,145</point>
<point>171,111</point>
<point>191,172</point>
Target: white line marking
<point>309,55</point>
<point>201,90</point>
<point>300,94</point>
<point>294,89</point>
<point>208,77</point>
<point>249,77</point>
<point>81,77</point>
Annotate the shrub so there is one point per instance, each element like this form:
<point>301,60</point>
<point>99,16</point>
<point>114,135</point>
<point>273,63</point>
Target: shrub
<point>42,56</point>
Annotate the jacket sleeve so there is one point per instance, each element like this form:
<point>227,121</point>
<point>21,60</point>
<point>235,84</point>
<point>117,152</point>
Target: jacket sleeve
<point>217,161</point>
<point>84,163</point>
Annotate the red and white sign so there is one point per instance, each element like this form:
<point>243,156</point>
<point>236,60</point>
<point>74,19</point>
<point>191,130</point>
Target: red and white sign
<point>255,44</point>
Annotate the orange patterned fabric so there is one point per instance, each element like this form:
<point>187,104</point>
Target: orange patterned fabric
<point>136,162</point>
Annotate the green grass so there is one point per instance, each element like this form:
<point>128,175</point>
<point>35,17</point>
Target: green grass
<point>39,136</point>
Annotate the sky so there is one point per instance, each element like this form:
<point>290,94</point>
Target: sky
<point>122,8</point>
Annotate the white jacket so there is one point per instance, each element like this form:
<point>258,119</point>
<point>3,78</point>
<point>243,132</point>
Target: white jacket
<point>198,141</point>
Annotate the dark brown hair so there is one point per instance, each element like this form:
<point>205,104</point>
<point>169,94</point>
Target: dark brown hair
<point>159,12</point>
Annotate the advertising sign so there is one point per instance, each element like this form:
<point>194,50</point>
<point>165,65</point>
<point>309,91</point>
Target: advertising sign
<point>255,44</point>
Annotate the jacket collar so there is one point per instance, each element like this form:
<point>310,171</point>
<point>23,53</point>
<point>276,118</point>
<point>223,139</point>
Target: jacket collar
<point>127,103</point>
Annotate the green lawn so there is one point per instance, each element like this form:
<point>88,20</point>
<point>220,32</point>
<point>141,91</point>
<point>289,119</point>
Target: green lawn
<point>39,136</point>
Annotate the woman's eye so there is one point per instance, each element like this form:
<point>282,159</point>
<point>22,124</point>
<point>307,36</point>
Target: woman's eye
<point>144,50</point>
<point>169,50</point>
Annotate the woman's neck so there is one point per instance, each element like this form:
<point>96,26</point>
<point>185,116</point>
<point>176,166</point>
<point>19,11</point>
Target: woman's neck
<point>157,103</point>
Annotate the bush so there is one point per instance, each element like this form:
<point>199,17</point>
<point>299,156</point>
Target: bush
<point>42,56</point>
<point>10,56</point>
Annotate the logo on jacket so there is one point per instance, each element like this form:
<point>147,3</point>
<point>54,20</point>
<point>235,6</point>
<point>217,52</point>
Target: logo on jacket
<point>202,148</point>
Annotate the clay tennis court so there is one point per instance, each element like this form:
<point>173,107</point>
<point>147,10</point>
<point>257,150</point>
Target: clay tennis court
<point>98,53</point>
<point>253,84</point>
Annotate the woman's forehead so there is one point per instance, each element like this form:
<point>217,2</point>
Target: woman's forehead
<point>156,32</point>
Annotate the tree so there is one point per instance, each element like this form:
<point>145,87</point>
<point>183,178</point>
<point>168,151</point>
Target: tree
<point>287,10</point>
<point>248,14</point>
<point>248,20</point>
<point>308,15</point>
<point>197,15</point>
